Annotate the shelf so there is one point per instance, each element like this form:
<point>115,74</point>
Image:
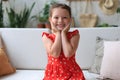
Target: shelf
<point>81,0</point>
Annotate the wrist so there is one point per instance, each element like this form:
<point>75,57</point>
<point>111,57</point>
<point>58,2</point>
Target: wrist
<point>57,32</point>
<point>64,31</point>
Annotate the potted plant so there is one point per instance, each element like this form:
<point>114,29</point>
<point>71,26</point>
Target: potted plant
<point>107,25</point>
<point>19,20</point>
<point>44,15</point>
<point>1,16</point>
<point>118,10</point>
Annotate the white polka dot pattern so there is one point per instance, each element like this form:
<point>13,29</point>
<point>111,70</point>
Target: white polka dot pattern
<point>63,68</point>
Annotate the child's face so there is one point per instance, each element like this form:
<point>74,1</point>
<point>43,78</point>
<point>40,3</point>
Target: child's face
<point>60,18</point>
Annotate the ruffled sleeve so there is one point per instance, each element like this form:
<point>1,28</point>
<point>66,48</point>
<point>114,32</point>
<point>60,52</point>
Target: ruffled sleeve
<point>71,34</point>
<point>50,36</point>
<point>44,33</point>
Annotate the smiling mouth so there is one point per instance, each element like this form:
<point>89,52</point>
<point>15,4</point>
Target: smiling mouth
<point>60,26</point>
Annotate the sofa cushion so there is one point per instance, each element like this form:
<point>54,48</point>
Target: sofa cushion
<point>5,66</point>
<point>95,68</point>
<point>25,75</point>
<point>39,74</point>
<point>110,63</point>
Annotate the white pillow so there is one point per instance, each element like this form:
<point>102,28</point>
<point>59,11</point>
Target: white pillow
<point>110,67</point>
<point>95,68</point>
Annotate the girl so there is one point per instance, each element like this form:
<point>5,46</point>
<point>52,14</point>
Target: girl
<point>61,46</point>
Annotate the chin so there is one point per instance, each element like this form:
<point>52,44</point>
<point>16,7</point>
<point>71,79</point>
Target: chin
<point>60,28</point>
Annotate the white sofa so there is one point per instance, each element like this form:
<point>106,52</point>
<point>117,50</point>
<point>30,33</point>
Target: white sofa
<point>26,51</point>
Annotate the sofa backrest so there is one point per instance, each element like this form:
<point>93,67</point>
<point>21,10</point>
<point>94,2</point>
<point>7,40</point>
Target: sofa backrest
<point>87,45</point>
<point>25,48</point>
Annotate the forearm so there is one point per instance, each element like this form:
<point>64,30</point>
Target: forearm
<point>67,47</point>
<point>56,47</point>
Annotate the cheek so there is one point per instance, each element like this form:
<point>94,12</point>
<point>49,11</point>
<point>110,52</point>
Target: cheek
<point>68,21</point>
<point>53,20</point>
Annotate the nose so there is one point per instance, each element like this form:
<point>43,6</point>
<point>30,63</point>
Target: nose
<point>60,20</point>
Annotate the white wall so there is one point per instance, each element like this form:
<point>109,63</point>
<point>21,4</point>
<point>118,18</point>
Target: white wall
<point>77,9</point>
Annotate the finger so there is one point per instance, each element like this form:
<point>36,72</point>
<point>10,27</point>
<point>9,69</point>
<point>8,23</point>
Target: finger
<point>53,27</point>
<point>52,24</point>
<point>68,25</point>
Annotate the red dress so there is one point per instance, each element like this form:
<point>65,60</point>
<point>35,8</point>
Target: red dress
<point>62,68</point>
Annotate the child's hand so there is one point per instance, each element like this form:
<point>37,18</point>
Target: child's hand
<point>66,29</point>
<point>54,29</point>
